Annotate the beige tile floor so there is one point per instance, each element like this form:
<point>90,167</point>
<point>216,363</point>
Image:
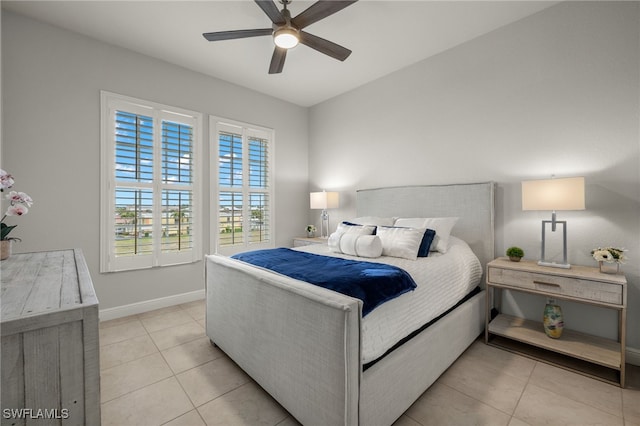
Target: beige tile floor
<point>159,368</point>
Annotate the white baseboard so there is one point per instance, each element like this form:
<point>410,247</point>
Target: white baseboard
<point>150,305</point>
<point>632,356</point>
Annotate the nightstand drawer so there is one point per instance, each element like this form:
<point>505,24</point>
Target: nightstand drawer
<point>562,286</point>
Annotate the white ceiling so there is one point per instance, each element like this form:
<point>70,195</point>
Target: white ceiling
<point>172,31</point>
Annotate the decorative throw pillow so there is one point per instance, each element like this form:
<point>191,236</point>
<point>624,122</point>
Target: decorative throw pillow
<point>334,242</point>
<point>442,226</point>
<point>400,242</point>
<point>348,228</point>
<point>425,244</point>
<point>361,245</point>
<point>354,227</point>
<point>373,220</point>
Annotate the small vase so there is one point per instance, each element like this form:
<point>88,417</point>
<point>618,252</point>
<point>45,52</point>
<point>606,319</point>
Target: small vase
<point>5,249</point>
<point>608,267</point>
<point>553,320</point>
<point>311,234</point>
<point>514,258</point>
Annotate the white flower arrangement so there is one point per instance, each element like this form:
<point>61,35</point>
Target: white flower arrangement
<point>311,228</point>
<point>609,254</point>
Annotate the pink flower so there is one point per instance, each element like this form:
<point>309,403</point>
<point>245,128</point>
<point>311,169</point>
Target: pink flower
<point>17,210</point>
<point>20,203</point>
<point>6,180</point>
<point>19,197</point>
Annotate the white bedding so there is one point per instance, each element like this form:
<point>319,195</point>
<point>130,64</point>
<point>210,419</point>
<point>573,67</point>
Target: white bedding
<point>442,279</point>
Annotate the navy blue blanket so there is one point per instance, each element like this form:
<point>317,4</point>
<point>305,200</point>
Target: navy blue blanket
<point>373,283</point>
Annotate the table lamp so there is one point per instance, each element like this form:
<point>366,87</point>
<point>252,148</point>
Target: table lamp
<point>324,200</point>
<point>554,194</point>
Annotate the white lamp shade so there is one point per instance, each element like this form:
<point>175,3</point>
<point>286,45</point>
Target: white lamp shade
<point>323,200</point>
<point>553,194</point>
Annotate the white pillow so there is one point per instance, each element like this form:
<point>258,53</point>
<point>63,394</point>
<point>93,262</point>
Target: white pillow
<point>334,242</point>
<point>361,245</point>
<point>358,229</point>
<point>343,228</point>
<point>400,242</point>
<point>373,220</point>
<point>442,226</point>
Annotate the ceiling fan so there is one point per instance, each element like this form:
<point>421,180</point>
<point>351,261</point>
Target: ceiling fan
<point>287,31</point>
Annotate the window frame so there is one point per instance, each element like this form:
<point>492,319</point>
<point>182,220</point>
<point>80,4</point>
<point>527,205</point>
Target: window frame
<point>111,103</point>
<point>216,125</point>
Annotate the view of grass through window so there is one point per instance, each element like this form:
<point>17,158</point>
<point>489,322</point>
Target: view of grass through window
<point>136,208</point>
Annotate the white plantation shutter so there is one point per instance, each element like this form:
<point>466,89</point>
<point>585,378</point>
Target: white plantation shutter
<point>151,196</point>
<point>259,190</point>
<point>133,173</point>
<point>177,190</point>
<point>242,208</point>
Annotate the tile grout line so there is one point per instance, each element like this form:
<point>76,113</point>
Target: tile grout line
<point>150,384</point>
<point>524,388</point>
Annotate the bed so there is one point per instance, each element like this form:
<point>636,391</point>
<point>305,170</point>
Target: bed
<point>303,343</point>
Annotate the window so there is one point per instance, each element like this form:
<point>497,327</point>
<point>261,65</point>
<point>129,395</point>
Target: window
<point>242,205</point>
<point>150,184</point>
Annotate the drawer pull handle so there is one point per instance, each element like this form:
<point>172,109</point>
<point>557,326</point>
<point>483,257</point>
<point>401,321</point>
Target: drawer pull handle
<point>551,284</point>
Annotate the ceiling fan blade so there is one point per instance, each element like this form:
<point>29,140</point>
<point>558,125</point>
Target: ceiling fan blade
<point>269,7</point>
<point>229,35</point>
<point>324,46</point>
<point>319,10</point>
<point>277,60</point>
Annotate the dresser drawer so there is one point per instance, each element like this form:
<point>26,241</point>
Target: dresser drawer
<point>563,286</point>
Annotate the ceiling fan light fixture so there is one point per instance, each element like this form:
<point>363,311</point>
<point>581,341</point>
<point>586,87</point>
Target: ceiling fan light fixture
<point>286,37</point>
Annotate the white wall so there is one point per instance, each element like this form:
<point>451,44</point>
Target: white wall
<point>51,112</point>
<point>555,93</point>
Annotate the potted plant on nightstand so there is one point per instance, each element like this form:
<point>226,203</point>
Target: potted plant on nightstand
<point>515,254</point>
<point>609,258</point>
<point>311,231</point>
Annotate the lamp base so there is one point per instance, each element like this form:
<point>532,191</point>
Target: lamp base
<point>554,222</point>
<point>554,264</point>
<point>324,224</point>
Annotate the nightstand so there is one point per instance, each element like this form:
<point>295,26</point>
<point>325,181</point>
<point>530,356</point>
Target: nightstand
<point>590,355</point>
<point>304,241</point>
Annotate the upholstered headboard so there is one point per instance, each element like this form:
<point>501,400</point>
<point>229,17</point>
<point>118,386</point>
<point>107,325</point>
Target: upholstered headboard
<point>473,203</point>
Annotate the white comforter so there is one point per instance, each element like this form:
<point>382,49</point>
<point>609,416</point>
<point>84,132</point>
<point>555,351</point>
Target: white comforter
<point>442,279</point>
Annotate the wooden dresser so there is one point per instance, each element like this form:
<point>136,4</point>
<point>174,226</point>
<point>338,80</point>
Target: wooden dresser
<point>50,349</point>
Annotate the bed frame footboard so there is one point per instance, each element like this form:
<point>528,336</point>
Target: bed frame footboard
<point>416,365</point>
<point>300,345</point>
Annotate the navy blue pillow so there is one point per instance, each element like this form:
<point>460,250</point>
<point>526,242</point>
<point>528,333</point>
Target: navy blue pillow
<point>427,239</point>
